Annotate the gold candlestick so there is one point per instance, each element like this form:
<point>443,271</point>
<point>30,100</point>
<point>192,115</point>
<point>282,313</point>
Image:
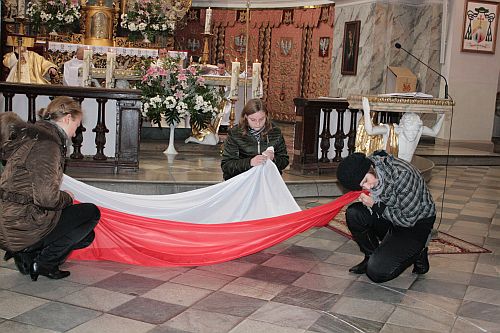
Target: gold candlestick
<point>206,50</point>
<point>232,113</point>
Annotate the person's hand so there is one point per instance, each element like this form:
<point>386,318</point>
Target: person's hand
<point>366,200</point>
<point>269,154</point>
<point>70,194</point>
<point>258,160</point>
<point>52,71</point>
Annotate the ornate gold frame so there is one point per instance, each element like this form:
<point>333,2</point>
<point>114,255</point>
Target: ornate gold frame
<point>99,25</point>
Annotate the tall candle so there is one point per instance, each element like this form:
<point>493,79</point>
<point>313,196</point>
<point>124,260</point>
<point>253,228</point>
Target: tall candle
<point>235,74</point>
<point>256,80</point>
<point>87,60</point>
<point>208,20</point>
<point>110,67</point>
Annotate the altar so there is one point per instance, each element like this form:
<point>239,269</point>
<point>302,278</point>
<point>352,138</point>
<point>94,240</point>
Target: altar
<point>326,128</point>
<point>399,139</point>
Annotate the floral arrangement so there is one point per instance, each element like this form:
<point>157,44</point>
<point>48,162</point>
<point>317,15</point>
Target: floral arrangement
<point>54,14</point>
<point>148,18</point>
<point>173,92</point>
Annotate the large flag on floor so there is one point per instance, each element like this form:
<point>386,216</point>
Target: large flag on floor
<point>235,218</point>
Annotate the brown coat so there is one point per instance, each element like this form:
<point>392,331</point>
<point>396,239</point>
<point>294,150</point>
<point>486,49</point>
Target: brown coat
<point>30,199</point>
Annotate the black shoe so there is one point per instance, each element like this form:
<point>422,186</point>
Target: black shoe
<point>421,265</point>
<point>8,255</point>
<point>54,273</point>
<point>23,261</point>
<point>361,267</point>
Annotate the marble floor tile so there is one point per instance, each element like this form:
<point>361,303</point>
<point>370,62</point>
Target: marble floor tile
<point>307,253</point>
<point>96,298</point>
<point>254,326</point>
<point>57,316</point>
<point>365,309</point>
<point>322,244</point>
<point>274,275</point>
<point>485,281</point>
<point>148,310</point>
<point>128,284</point>
<point>193,320</point>
<point>235,305</point>
<point>11,278</point>
<point>324,283</point>
<point>232,268</point>
<point>481,311</point>
<point>291,263</point>
<point>203,279</point>
<point>15,327</point>
<point>286,315</point>
<point>333,270</point>
<point>306,298</point>
<point>427,319</point>
<point>483,295</point>
<point>390,328</point>
<point>430,301</point>
<point>177,294</point>
<point>112,324</point>
<point>256,258</point>
<point>253,288</point>
<point>470,325</point>
<point>337,323</point>
<point>447,289</point>
<point>157,273</point>
<point>83,275</point>
<point>47,288</point>
<point>13,304</point>
<point>375,292</point>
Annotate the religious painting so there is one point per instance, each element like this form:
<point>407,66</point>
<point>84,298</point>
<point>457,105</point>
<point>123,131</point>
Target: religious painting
<point>286,45</point>
<point>324,46</point>
<point>240,43</point>
<point>480,26</point>
<point>287,17</point>
<point>350,48</point>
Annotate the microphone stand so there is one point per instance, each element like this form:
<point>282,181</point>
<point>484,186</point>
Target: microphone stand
<point>398,46</point>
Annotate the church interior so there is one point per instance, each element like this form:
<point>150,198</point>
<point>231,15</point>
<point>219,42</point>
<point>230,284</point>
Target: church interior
<point>313,64</point>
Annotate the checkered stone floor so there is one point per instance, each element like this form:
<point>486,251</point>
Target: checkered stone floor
<point>300,285</point>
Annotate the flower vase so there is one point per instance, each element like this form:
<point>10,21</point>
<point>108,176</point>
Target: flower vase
<point>171,149</point>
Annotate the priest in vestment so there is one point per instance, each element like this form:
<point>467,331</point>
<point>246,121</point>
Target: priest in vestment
<point>34,67</point>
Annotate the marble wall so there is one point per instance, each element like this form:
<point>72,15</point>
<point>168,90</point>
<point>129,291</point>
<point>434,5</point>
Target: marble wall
<point>416,26</point>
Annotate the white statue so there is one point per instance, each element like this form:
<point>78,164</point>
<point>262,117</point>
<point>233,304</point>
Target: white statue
<point>409,130</point>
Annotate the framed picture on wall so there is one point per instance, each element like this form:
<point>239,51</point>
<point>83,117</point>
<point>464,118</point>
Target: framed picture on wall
<point>350,48</point>
<point>480,26</point>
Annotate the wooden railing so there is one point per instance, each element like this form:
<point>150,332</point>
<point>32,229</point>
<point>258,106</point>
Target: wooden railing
<point>309,137</point>
<point>128,121</point>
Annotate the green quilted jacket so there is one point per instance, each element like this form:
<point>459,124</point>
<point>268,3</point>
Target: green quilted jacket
<point>239,149</point>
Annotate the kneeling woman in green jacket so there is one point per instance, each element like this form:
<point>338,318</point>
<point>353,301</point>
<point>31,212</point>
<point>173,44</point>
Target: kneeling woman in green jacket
<point>255,140</point>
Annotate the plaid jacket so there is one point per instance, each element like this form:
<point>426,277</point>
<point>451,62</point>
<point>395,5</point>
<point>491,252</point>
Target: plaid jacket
<point>405,198</point>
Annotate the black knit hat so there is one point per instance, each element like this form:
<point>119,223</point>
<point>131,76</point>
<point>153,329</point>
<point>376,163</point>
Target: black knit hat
<point>352,170</point>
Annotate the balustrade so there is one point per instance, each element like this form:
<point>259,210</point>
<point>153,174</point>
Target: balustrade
<point>309,138</point>
<point>125,133</point>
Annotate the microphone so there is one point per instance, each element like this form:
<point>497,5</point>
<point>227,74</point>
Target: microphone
<point>398,46</point>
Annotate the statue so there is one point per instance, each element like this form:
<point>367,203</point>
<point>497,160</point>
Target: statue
<point>408,132</point>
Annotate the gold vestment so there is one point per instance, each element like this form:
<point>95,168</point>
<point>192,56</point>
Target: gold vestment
<point>33,69</point>
<point>366,143</point>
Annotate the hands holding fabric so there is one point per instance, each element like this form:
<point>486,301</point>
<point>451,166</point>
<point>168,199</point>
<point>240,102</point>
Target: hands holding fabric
<point>366,200</point>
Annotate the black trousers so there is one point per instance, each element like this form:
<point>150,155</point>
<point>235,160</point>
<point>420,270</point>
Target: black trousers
<point>74,230</point>
<point>391,248</point>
